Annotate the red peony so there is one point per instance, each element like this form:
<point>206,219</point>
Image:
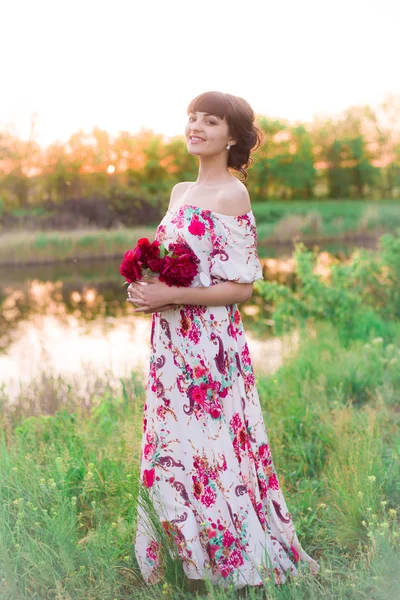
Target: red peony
<point>177,267</point>
<point>131,266</point>
<point>150,254</point>
<point>179,271</point>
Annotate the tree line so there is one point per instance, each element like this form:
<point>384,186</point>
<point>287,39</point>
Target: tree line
<point>353,155</point>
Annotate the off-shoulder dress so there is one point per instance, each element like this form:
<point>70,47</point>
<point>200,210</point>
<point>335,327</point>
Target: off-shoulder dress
<point>205,461</point>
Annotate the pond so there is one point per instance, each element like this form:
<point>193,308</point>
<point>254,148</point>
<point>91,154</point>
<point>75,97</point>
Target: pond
<point>72,319</point>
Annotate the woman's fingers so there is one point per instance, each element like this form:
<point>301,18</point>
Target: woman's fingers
<point>148,311</point>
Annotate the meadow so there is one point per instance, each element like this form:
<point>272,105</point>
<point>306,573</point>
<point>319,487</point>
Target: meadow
<point>69,479</point>
<point>277,223</point>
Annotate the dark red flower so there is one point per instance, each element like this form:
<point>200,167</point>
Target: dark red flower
<point>150,254</point>
<point>178,271</point>
<point>131,266</point>
<point>178,267</point>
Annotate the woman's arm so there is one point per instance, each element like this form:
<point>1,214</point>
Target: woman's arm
<point>157,294</point>
<point>220,294</point>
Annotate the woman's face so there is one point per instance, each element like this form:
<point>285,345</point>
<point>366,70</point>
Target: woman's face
<point>212,130</point>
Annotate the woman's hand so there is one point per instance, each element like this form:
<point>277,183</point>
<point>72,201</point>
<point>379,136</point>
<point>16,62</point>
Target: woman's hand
<point>151,296</point>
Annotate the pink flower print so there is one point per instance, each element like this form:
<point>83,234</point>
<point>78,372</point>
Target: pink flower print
<point>198,487</point>
<point>296,555</point>
<point>199,371</point>
<point>241,435</point>
<point>194,334</point>
<point>197,462</point>
<point>215,412</point>
<point>250,379</point>
<point>264,451</point>
<point>196,227</point>
<point>223,466</point>
<point>152,551</point>
<point>212,548</point>
<point>236,558</point>
<point>225,570</point>
<point>260,513</point>
<point>161,412</point>
<point>236,422</point>
<point>246,355</point>
<point>262,484</point>
<point>223,393</point>
<point>199,395</point>
<point>204,478</point>
<point>236,317</point>
<point>148,451</point>
<point>209,497</point>
<point>185,323</point>
<point>273,482</point>
<point>148,477</point>
<point>227,539</point>
<point>232,331</point>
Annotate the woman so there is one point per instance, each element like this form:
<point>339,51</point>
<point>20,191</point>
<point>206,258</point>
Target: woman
<point>205,461</point>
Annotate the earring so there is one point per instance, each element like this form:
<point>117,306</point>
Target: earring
<point>228,146</point>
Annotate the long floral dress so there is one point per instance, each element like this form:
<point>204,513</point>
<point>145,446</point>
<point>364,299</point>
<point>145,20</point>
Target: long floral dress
<point>205,458</point>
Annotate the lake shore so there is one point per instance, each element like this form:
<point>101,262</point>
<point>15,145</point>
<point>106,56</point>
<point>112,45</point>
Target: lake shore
<point>36,248</point>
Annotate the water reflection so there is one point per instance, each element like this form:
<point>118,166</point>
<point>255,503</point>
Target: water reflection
<point>71,319</point>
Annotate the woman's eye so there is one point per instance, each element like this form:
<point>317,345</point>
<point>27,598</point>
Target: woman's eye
<point>212,122</point>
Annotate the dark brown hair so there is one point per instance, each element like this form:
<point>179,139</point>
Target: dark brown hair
<point>242,128</point>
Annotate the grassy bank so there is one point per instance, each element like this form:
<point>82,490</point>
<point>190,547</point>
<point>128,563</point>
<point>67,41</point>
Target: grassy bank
<point>277,223</point>
<point>69,480</point>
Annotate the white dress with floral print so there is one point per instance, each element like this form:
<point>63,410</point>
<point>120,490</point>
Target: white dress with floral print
<point>205,457</point>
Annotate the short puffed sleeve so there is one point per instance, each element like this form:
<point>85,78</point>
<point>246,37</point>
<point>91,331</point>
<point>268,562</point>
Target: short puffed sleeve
<point>234,254</point>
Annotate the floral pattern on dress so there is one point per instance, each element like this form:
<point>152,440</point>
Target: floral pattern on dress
<point>205,456</point>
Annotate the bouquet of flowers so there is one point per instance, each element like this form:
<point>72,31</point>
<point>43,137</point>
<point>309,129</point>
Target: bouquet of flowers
<point>175,266</point>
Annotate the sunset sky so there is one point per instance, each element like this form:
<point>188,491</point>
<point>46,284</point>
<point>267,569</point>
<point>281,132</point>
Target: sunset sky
<point>127,64</point>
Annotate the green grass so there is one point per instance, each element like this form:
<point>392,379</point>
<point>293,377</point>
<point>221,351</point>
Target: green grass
<point>22,248</point>
<point>325,218</point>
<point>277,222</point>
<point>68,481</point>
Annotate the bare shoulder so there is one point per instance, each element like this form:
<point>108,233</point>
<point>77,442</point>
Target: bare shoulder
<point>177,191</point>
<point>234,199</point>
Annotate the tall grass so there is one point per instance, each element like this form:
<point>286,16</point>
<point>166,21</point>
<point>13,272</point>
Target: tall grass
<point>69,482</point>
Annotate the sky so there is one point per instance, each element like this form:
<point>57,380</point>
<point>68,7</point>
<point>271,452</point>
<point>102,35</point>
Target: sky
<point>123,65</point>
